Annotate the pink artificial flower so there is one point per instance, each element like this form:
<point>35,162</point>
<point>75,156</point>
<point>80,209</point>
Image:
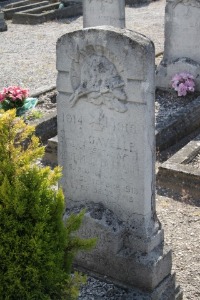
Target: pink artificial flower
<point>190,85</point>
<point>1,97</point>
<point>175,85</point>
<point>14,93</point>
<point>183,75</point>
<point>182,90</point>
<point>176,78</point>
<point>183,83</point>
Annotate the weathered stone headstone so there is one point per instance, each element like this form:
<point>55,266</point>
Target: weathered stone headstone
<point>182,41</point>
<point>104,12</point>
<point>106,140</point>
<point>3,26</point>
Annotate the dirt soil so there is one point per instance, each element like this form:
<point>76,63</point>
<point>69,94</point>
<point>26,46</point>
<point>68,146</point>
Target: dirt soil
<point>180,218</point>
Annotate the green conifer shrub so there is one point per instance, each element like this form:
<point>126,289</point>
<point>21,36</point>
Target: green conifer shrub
<point>36,247</point>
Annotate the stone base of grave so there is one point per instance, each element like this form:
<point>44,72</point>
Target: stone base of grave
<point>167,69</point>
<point>125,258</point>
<point>3,26</point>
<point>51,151</point>
<point>166,290</point>
<point>136,2</point>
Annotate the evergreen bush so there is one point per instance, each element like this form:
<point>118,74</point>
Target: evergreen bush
<point>36,247</point>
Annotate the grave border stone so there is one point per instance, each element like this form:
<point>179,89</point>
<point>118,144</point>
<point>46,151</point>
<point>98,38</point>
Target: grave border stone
<point>47,13</point>
<point>176,174</point>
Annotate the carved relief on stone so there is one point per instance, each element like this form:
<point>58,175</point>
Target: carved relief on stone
<point>97,81</point>
<point>193,3</point>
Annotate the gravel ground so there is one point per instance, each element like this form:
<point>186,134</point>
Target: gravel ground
<point>27,57</point>
<point>27,52</point>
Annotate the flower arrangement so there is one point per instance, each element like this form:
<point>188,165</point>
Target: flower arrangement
<point>16,97</point>
<point>183,83</point>
<point>13,97</point>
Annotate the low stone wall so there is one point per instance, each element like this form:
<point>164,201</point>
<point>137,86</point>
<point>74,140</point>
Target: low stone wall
<point>9,12</point>
<point>180,173</point>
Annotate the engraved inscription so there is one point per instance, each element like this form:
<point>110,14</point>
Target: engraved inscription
<point>103,145</point>
<point>100,84</point>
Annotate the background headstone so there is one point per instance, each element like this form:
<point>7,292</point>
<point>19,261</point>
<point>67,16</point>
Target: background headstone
<point>182,42</point>
<point>104,12</point>
<point>106,140</point>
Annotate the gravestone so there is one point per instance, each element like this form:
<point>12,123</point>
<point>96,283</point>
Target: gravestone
<point>104,12</point>
<point>106,146</point>
<point>182,42</point>
<point>3,25</point>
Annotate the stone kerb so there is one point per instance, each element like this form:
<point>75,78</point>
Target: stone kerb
<point>182,42</point>
<point>107,150</point>
<point>104,12</point>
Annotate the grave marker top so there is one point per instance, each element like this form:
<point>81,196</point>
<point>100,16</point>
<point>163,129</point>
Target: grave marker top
<point>104,12</point>
<point>182,29</point>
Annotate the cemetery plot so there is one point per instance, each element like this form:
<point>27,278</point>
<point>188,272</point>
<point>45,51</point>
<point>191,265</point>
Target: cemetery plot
<point>47,13</point>
<point>9,12</point>
<point>181,173</point>
<point>176,117</point>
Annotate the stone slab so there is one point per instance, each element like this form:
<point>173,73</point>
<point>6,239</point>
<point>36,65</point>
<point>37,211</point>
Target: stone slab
<point>17,4</point>
<point>106,148</point>
<point>107,130</point>
<point>104,12</point>
<point>165,291</point>
<point>178,174</point>
<point>182,30</point>
<point>47,13</point>
<point>20,3</point>
<point>182,42</point>
<point>114,251</point>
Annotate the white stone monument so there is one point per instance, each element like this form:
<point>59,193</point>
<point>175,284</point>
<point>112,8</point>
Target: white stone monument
<point>104,12</point>
<point>106,145</point>
<point>182,42</point>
